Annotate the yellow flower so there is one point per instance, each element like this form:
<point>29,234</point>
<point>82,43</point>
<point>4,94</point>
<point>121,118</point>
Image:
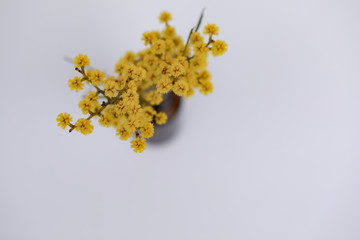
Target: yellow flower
<point>150,37</point>
<point>204,76</point>
<point>129,57</point>
<point>130,97</point>
<point>180,88</point>
<point>165,17</point>
<point>121,107</point>
<point>169,32</point>
<point>164,85</point>
<point>86,105</point>
<point>124,133</point>
<point>196,37</point>
<point>150,61</point>
<point>163,68</point>
<point>169,46</point>
<point>63,120</point>
<point>134,109</point>
<point>153,97</point>
<point>211,29</point>
<point>76,84</point>
<point>129,71</point>
<point>177,69</point>
<point>206,87</point>
<point>182,60</point>
<point>148,113</point>
<point>120,66</point>
<point>92,96</point>
<point>96,77</point>
<point>121,82</point>
<point>139,74</point>
<point>198,62</point>
<point>158,47</point>
<point>218,48</point>
<point>132,86</point>
<point>138,145</point>
<point>190,93</point>
<point>81,61</point>
<point>105,120</point>
<point>200,48</point>
<point>161,118</point>
<point>115,116</point>
<point>84,126</point>
<point>111,88</point>
<point>147,131</point>
<point>132,123</point>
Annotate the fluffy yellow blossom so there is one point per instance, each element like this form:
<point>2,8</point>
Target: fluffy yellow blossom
<point>148,113</point>
<point>211,29</point>
<point>206,87</point>
<point>129,57</point>
<point>138,145</point>
<point>218,48</point>
<point>121,82</point>
<point>150,37</point>
<point>200,48</point>
<point>92,96</point>
<point>150,61</point>
<point>115,117</point>
<point>86,105</point>
<point>198,62</point>
<point>121,107</point>
<point>132,123</point>
<point>81,61</point>
<point>96,77</point>
<point>139,74</point>
<point>84,126</point>
<point>163,68</point>
<point>168,59</point>
<point>134,109</point>
<point>111,88</point>
<point>147,131</point>
<point>169,32</point>
<point>132,86</point>
<point>76,84</point>
<point>180,88</point>
<point>158,47</point>
<point>120,66</point>
<point>196,37</point>
<point>182,60</point>
<point>153,97</point>
<point>105,120</point>
<point>130,97</point>
<point>165,17</point>
<point>129,71</point>
<point>189,93</point>
<point>164,85</point>
<point>161,118</point>
<point>169,46</point>
<point>124,133</point>
<point>177,69</point>
<point>63,120</point>
<point>204,75</point>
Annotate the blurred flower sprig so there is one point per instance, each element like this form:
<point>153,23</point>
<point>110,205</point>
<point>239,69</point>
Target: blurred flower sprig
<point>167,64</point>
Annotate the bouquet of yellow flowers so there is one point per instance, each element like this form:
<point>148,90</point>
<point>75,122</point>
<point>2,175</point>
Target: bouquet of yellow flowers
<point>166,65</point>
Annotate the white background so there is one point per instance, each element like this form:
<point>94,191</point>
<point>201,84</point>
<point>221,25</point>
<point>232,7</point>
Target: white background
<point>273,153</point>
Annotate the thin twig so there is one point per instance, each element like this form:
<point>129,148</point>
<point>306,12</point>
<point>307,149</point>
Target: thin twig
<point>199,22</point>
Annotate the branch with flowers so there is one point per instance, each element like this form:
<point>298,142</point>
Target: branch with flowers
<point>166,65</point>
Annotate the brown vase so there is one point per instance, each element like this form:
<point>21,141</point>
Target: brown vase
<point>171,106</point>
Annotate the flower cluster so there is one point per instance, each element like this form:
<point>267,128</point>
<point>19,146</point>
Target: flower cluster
<point>167,64</point>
